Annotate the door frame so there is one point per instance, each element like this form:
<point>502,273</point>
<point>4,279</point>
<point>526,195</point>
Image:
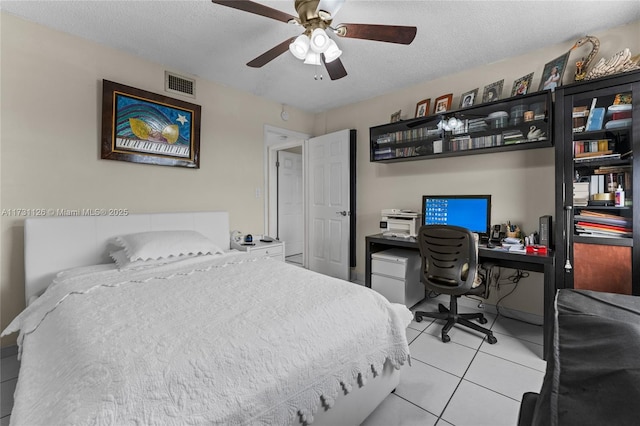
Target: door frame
<point>276,139</point>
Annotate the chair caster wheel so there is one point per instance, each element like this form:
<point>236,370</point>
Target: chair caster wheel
<point>492,339</point>
<point>483,320</point>
<point>446,338</point>
<point>418,318</point>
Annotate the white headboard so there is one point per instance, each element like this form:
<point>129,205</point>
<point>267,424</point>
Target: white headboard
<point>53,244</point>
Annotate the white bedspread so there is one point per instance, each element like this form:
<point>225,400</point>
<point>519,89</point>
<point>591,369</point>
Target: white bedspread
<point>218,340</point>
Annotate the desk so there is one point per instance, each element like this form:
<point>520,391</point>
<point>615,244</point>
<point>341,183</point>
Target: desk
<point>529,262</point>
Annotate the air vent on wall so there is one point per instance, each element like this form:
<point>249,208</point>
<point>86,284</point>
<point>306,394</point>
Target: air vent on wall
<point>178,84</point>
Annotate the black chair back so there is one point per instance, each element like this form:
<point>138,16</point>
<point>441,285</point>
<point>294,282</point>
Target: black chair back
<point>449,258</point>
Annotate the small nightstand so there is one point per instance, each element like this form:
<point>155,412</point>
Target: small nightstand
<point>274,249</point>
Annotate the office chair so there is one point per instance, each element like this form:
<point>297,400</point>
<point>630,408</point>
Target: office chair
<point>449,266</point>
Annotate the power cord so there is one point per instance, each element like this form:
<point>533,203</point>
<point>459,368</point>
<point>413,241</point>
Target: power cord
<point>513,279</point>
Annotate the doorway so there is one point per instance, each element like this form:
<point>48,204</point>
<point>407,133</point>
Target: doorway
<point>285,190</point>
<point>323,191</point>
<point>290,203</point>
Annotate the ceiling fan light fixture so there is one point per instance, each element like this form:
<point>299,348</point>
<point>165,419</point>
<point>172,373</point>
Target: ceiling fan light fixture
<point>300,46</point>
<point>319,40</point>
<point>312,58</point>
<point>332,53</point>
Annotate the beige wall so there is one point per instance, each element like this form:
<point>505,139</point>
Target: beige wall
<point>521,182</point>
<point>50,110</point>
<point>51,115</point>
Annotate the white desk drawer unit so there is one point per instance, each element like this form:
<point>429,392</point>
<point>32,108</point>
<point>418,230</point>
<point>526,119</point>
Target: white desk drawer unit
<point>395,274</point>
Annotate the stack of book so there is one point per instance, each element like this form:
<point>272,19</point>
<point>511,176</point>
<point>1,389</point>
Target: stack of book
<point>580,114</point>
<point>616,175</point>
<point>476,125</point>
<point>597,224</point>
<point>592,148</point>
<point>383,153</point>
<point>513,136</point>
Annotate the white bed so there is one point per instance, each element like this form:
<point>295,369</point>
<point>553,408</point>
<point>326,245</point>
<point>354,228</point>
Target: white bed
<point>215,339</point>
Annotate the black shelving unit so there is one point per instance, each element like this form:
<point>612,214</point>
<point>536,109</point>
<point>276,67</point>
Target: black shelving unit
<point>480,129</point>
<point>590,254</point>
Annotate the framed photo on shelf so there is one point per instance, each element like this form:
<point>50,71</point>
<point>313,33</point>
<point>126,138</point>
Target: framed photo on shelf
<point>443,103</point>
<point>522,85</point>
<point>395,117</point>
<point>422,108</point>
<point>468,98</point>
<point>553,72</point>
<point>492,92</point>
<point>144,127</point>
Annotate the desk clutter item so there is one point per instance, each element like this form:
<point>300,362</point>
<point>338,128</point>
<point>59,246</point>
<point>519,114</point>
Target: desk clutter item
<point>512,231</point>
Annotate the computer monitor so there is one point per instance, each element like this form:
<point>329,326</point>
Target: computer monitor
<point>468,211</point>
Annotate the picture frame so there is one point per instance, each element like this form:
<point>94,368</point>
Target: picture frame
<point>149,128</point>
<point>467,99</point>
<point>395,117</point>
<point>551,79</point>
<point>442,103</point>
<point>492,92</point>
<point>422,108</point>
<point>522,85</point>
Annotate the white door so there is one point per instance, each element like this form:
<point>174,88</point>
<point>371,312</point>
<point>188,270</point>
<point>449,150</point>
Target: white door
<point>290,224</point>
<point>328,200</point>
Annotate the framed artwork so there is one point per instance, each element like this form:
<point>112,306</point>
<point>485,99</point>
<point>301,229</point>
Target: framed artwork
<point>443,103</point>
<point>553,72</point>
<point>522,85</point>
<point>468,98</point>
<point>492,92</point>
<point>422,107</point>
<point>144,127</point>
<point>395,117</point>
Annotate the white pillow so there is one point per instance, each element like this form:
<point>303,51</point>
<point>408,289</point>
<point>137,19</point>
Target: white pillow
<point>163,244</point>
<point>123,262</point>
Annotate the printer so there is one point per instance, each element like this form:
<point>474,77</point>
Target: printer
<point>400,223</point>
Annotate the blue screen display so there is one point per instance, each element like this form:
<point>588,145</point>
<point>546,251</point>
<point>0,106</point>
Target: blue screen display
<point>468,211</point>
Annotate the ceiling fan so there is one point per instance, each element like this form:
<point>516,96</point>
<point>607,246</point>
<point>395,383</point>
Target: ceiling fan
<point>314,46</point>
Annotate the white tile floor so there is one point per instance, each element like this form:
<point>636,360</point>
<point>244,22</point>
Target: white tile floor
<point>464,382</point>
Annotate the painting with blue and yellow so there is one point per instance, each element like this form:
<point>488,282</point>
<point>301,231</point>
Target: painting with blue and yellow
<point>153,122</point>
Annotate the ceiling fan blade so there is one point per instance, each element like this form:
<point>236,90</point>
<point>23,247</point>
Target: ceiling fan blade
<point>258,9</point>
<point>330,6</point>
<point>334,68</point>
<point>387,33</point>
<point>270,54</point>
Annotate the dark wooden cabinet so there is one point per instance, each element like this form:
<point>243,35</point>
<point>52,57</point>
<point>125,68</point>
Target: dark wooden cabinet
<point>597,146</point>
<point>520,122</point>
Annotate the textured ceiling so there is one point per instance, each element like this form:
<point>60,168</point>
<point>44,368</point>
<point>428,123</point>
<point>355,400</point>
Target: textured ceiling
<point>215,42</point>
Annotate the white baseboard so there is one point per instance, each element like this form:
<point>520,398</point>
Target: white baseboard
<point>507,312</point>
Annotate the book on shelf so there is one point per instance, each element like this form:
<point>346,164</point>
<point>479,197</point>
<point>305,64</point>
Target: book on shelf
<point>596,184</point>
<point>592,145</point>
<point>593,228</point>
<point>595,120</point>
<point>595,158</point>
<point>586,216</point>
<point>593,154</point>
<point>600,234</point>
<point>579,117</point>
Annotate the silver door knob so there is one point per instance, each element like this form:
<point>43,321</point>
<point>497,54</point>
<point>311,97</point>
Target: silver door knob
<point>342,213</point>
